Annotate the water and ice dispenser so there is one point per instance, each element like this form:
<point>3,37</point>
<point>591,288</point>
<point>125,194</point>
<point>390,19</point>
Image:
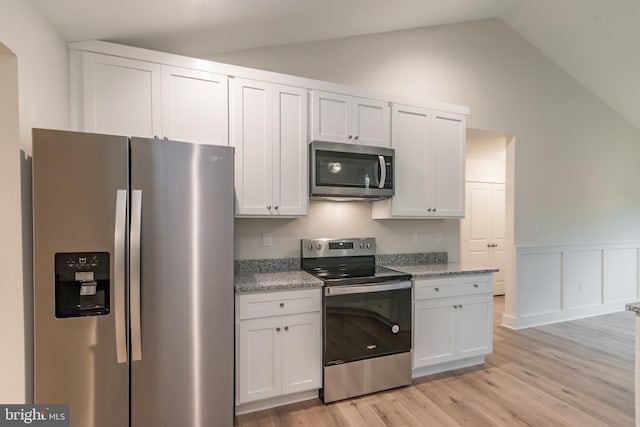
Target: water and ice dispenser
<point>82,284</point>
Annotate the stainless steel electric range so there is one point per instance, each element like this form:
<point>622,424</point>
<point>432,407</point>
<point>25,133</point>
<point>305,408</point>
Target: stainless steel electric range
<point>366,318</point>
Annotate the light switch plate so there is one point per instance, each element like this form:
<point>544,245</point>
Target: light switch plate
<point>266,239</point>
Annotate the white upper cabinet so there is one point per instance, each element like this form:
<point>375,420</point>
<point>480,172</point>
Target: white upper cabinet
<point>194,106</point>
<point>120,96</point>
<point>136,98</point>
<point>268,128</point>
<point>349,119</point>
<point>429,165</point>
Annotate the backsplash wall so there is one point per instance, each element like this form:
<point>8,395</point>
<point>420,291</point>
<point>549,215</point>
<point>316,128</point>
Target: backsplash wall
<point>341,220</point>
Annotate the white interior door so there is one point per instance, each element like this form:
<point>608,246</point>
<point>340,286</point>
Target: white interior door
<point>484,230</point>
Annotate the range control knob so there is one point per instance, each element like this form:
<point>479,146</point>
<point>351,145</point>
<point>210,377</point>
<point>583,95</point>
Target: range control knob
<point>368,245</point>
<point>361,245</point>
<point>318,246</point>
<point>310,247</point>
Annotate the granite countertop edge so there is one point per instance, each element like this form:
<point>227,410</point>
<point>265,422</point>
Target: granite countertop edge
<point>634,306</point>
<point>425,271</point>
<point>253,282</point>
<point>275,281</point>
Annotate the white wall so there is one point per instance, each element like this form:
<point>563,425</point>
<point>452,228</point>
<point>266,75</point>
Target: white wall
<point>576,168</point>
<point>343,219</point>
<point>486,157</point>
<point>34,88</point>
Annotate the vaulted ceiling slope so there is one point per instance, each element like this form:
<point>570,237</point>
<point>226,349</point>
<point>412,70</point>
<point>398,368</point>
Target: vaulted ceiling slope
<point>594,41</point>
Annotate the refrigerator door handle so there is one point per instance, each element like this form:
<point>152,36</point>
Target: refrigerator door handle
<point>119,254</point>
<point>134,278</point>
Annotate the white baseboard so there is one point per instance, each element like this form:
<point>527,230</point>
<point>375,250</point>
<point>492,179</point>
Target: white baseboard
<point>276,401</point>
<point>561,316</point>
<point>447,366</point>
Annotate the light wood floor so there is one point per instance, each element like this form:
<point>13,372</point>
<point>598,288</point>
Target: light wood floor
<point>577,373</point>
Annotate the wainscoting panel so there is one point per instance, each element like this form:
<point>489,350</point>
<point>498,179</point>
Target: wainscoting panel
<point>581,279</point>
<point>538,283</point>
<point>620,275</point>
<point>558,283</point>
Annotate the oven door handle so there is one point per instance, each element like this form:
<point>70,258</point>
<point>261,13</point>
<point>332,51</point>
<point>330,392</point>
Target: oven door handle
<point>361,289</point>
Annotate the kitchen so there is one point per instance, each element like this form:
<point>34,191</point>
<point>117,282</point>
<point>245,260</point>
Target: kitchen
<point>492,107</point>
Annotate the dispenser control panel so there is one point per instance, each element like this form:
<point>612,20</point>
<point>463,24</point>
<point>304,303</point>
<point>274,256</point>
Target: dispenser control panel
<point>82,284</point>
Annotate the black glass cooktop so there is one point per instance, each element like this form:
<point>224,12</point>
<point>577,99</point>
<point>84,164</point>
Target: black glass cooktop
<point>341,271</point>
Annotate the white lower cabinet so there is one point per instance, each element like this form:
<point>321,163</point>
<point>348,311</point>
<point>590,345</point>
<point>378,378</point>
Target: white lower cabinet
<point>452,322</point>
<point>278,353</point>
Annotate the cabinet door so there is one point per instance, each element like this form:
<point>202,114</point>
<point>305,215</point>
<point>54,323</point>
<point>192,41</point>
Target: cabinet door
<point>120,96</point>
<point>371,122</point>
<point>331,117</point>
<point>259,361</point>
<point>252,137</point>
<point>194,106</point>
<point>473,325</point>
<point>301,353</point>
<point>448,136</point>
<point>411,129</point>
<point>433,332</point>
<point>290,164</point>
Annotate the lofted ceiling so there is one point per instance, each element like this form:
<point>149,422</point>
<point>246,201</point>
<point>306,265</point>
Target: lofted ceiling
<point>594,41</point>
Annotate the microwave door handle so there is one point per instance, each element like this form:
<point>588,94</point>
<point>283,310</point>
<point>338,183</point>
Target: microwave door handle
<point>383,172</point>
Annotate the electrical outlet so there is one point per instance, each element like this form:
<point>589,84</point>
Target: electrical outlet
<point>414,237</point>
<point>439,237</point>
<point>266,240</point>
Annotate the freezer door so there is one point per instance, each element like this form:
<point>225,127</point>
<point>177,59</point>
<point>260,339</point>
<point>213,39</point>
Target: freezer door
<point>76,178</point>
<point>182,368</point>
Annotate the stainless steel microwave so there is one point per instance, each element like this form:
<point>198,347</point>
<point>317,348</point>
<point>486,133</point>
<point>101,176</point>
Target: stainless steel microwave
<point>350,171</point>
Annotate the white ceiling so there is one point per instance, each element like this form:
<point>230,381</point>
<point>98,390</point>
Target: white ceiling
<point>596,42</point>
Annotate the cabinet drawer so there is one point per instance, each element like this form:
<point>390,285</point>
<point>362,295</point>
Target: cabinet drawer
<point>251,306</point>
<point>451,286</point>
<point>478,286</point>
<point>427,289</point>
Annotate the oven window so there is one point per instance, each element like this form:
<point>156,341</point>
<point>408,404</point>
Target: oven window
<point>360,326</point>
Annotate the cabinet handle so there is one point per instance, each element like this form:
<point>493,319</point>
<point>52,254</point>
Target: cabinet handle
<point>436,289</point>
<point>350,136</point>
<point>429,210</point>
<point>475,285</point>
<point>492,245</point>
<point>460,306</point>
<point>269,207</point>
<point>281,304</point>
<point>275,207</point>
<point>277,329</point>
<point>455,306</point>
<point>286,328</point>
<point>355,137</point>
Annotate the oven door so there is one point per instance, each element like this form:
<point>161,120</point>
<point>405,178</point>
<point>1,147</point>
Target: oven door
<point>365,321</point>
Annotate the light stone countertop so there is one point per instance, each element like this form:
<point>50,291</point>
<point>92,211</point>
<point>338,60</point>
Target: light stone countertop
<point>634,306</point>
<point>425,271</point>
<point>275,281</point>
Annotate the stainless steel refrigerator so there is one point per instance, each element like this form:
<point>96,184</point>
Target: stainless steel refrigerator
<point>133,280</point>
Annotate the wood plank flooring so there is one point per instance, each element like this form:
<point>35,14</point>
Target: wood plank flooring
<point>577,373</point>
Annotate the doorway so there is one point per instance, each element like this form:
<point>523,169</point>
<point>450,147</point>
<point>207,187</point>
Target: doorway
<point>485,231</point>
